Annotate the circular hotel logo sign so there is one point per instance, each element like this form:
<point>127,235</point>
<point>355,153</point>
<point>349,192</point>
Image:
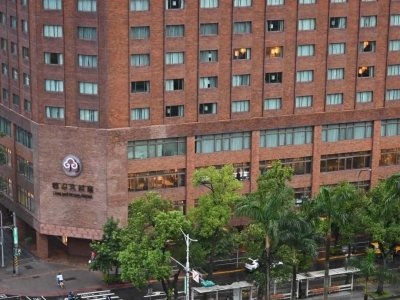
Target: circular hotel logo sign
<point>72,165</point>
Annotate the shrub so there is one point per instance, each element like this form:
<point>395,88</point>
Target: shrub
<point>112,279</point>
<point>29,240</point>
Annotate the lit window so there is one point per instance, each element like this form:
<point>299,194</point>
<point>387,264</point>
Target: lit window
<point>242,53</point>
<point>367,46</point>
<point>274,52</point>
<point>366,71</point>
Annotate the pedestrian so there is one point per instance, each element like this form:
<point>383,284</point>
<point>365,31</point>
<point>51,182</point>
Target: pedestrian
<point>92,256</point>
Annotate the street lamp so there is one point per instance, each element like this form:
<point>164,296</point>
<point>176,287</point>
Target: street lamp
<point>187,269</point>
<point>358,177</point>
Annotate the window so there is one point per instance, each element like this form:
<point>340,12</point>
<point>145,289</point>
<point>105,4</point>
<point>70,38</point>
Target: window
<point>208,82</point>
<point>338,1</point>
<point>88,61</point>
<point>140,86</point>
<point>4,69</point>
<point>241,80</point>
<point>13,22</point>
<point>140,60</point>
<point>368,21</point>
<point>276,2</point>
<point>140,32</point>
<point>175,31</point>
<point>3,18</point>
<point>14,48</point>
<point>209,4</point>
<point>338,22</point>
<point>52,4</point>
<point>273,104</point>
<point>54,85</point>
<point>301,195</point>
<point>241,3</point>
<point>241,27</point>
<point>25,53</point>
<point>345,161</point>
<point>175,4</point>
<point>23,137</point>
<point>392,94</point>
<point>365,96</point>
<point>222,142</point>
<point>305,76</point>
<point>367,46</point>
<point>209,29</point>
<point>275,25</point>
<point>336,74</point>
<point>366,71</point>
<point>88,88</point>
<point>334,99</point>
<point>286,136</point>
<point>174,111</point>
<point>240,106</point>
<point>390,127</point>
<point>174,84</point>
<point>156,148</point>
<point>306,24</point>
<point>394,45</point>
<point>53,58</point>
<point>3,44</point>
<point>394,20</point>
<point>307,1</point>
<point>209,56</point>
<point>305,50</point>
<point>24,167</point>
<point>15,74</point>
<point>140,5</point>
<point>276,51</point>
<point>6,185</point>
<point>25,26</point>
<point>87,33</point>
<point>54,112</point>
<point>304,101</point>
<point>156,180</point>
<point>6,95</point>
<point>172,58</point>
<point>87,5</point>
<point>389,157</point>
<point>300,165</point>
<point>5,125</point>
<point>242,53</point>
<point>24,2</point>
<point>346,131</point>
<point>15,99</point>
<point>275,77</point>
<point>55,31</point>
<point>393,70</point>
<point>26,79</point>
<point>88,115</point>
<point>140,114</point>
<point>207,108</point>
<point>27,105</point>
<point>7,155</point>
<point>26,199</point>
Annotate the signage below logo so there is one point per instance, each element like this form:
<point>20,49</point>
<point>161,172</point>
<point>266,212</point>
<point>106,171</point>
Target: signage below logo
<point>72,190</point>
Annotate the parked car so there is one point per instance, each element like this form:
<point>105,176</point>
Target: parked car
<point>253,264</point>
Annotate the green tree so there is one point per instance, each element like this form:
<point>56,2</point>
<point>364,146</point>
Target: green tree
<point>213,214</point>
<point>152,236</point>
<point>108,248</point>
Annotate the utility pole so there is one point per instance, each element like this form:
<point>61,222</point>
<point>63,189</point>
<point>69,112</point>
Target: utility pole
<point>187,269</point>
<point>15,245</point>
<point>2,239</point>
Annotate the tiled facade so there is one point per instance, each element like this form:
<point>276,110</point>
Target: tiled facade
<point>244,82</point>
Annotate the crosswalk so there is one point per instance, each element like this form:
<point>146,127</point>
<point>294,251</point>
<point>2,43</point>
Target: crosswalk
<point>98,295</point>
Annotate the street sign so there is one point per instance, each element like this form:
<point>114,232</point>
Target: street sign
<point>196,276</point>
<point>15,235</point>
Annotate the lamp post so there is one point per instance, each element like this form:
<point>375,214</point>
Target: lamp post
<point>358,177</point>
<point>187,269</point>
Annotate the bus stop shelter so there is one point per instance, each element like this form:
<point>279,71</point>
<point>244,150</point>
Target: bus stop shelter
<point>241,290</point>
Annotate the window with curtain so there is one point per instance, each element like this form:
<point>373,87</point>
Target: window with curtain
<point>240,106</point>
<point>337,48</point>
<point>305,76</point>
<point>89,61</point>
<point>241,80</point>
<point>4,44</point>
<point>140,32</point>
<point>241,3</point>
<point>88,88</point>
<point>305,50</point>
<point>365,96</point>
<point>276,2</point>
<point>174,111</point>
<point>13,22</point>
<point>140,5</point>
<point>394,45</point>
<point>23,137</point>
<point>15,99</point>
<point>346,131</point>
<point>209,56</point>
<point>273,104</point>
<point>25,26</point>
<point>208,82</point>
<point>4,69</point>
<point>27,105</point>
<point>207,108</point>
<point>393,70</point>
<point>241,53</point>
<point>390,127</point>
<point>89,115</point>
<point>338,22</point>
<point>55,31</point>
<point>394,20</point>
<point>338,1</point>
<point>345,161</point>
<point>87,5</point>
<point>306,24</point>
<point>140,114</point>
<point>241,27</point>
<point>87,33</point>
<point>26,79</point>
<point>156,148</point>
<point>368,21</point>
<point>307,1</point>
<point>14,74</point>
<point>54,112</point>
<point>53,58</point>
<point>140,60</point>
<point>334,99</point>
<point>304,101</point>
<point>286,136</point>
<point>52,4</point>
<point>393,94</point>
<point>174,84</point>
<point>209,29</point>
<point>172,58</point>
<point>335,74</point>
<point>51,85</point>
<point>175,30</point>
<point>209,4</point>
<point>223,142</point>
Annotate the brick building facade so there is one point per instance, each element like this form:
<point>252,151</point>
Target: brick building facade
<point>145,91</point>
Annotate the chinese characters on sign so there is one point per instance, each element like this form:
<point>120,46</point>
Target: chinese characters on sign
<point>72,190</point>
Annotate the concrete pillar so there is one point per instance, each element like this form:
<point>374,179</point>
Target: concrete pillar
<point>316,164</point>
<point>190,158</point>
<point>255,160</point>
<point>42,245</point>
<point>376,154</point>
